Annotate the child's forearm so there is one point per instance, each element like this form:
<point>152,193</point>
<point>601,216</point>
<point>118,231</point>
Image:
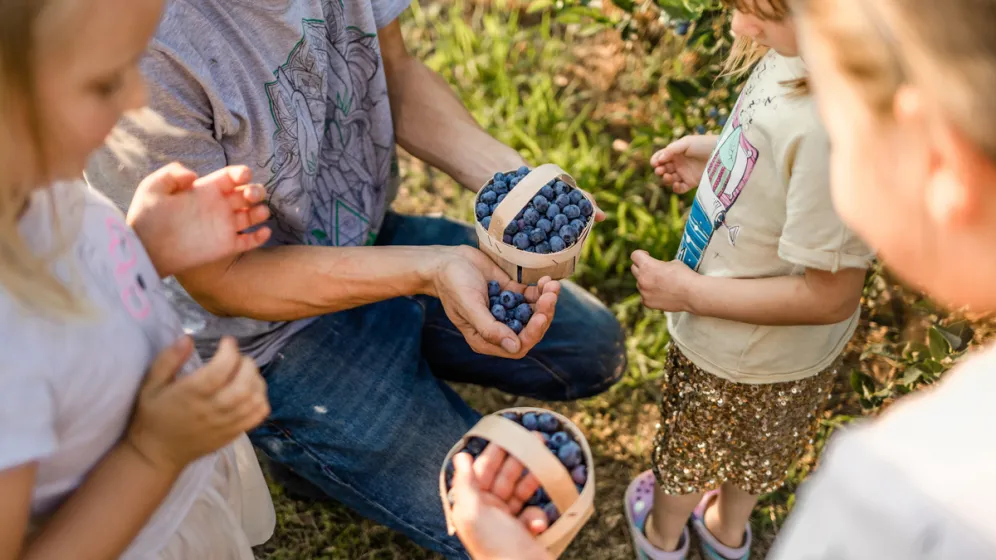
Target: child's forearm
<point>107,512</point>
<point>816,298</point>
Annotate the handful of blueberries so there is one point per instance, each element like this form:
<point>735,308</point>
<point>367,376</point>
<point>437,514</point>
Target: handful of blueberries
<point>509,307</point>
<point>551,222</point>
<point>559,442</point>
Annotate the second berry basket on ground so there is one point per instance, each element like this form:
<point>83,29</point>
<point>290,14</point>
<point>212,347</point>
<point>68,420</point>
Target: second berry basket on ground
<point>522,266</point>
<point>575,508</point>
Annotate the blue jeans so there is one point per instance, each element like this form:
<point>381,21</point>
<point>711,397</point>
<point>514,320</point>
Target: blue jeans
<point>361,408</point>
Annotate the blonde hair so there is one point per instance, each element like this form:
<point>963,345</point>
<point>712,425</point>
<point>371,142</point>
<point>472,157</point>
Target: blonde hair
<point>26,276</point>
<point>746,52</point>
<point>943,48</point>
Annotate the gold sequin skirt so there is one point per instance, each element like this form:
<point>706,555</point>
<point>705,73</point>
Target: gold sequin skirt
<point>715,431</point>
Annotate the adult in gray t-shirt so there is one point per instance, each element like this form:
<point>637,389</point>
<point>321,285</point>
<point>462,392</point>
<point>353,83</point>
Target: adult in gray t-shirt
<point>357,313</point>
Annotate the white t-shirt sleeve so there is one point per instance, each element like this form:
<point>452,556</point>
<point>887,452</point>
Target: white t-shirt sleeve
<point>27,416</point>
<point>813,235</point>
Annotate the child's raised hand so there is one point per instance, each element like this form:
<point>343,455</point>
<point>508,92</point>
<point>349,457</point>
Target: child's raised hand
<point>184,221</point>
<point>508,486</point>
<point>681,164</point>
<point>178,420</point>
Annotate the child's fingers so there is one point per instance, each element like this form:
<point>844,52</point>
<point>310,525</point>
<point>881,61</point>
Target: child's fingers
<point>507,478</point>
<point>168,363</point>
<point>226,179</point>
<point>218,372</point>
<point>487,465</point>
<point>246,197</point>
<point>534,519</point>
<point>245,242</point>
<point>245,219</point>
<point>245,384</point>
<point>169,179</point>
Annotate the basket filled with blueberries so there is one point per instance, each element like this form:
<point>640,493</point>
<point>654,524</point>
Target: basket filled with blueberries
<point>533,223</point>
<point>551,448</point>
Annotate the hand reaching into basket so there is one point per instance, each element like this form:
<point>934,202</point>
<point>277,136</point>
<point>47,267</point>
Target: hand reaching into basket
<point>483,521</point>
<point>461,284</point>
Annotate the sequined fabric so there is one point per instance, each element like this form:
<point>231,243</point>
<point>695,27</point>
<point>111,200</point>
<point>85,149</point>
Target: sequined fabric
<point>714,431</point>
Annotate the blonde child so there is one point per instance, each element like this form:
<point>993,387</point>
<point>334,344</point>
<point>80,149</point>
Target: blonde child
<point>905,87</point>
<point>761,299</point>
<point>96,463</point>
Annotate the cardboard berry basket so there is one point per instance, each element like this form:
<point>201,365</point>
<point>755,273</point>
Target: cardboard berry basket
<point>575,508</point>
<point>523,266</point>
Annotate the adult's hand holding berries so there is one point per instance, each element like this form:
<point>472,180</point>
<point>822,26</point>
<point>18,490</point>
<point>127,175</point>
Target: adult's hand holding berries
<point>663,285</point>
<point>460,281</point>
<point>680,165</point>
<point>184,221</point>
<point>180,419</point>
<point>487,529</point>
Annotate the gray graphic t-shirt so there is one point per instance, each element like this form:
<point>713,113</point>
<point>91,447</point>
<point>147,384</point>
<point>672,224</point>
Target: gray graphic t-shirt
<point>295,89</point>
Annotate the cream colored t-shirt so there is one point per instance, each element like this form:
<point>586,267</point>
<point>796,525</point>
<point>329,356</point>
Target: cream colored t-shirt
<point>763,209</point>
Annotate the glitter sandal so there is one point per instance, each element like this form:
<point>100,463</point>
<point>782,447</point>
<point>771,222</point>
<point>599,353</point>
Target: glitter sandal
<point>638,504</point>
<point>712,549</point>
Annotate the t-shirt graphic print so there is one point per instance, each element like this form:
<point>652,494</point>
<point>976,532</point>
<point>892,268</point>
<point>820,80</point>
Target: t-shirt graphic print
<point>728,171</point>
<point>327,158</point>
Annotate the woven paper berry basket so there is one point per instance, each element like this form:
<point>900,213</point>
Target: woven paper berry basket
<point>522,265</point>
<point>575,508</point>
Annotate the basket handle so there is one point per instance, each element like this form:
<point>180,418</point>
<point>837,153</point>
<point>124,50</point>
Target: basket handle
<point>517,198</point>
<point>530,451</point>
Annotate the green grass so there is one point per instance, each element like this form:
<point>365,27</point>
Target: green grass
<point>597,106</point>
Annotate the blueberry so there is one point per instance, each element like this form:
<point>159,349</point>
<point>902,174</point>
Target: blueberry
<point>577,225</point>
<point>682,27</point>
<point>568,235</point>
<point>521,224</point>
<point>501,188</point>
<point>538,498</point>
<point>494,288</point>
<point>500,198</point>
<point>541,203</point>
<point>576,197</point>
<point>586,207</point>
<point>499,312</point>
<point>560,438</point>
<point>552,515</point>
<point>521,240</point>
<point>511,416</point>
<point>529,421</point>
<point>563,200</point>
<point>570,454</point>
<point>523,312</point>
<point>482,210</point>
<point>700,129</point>
<point>520,298</point>
<point>543,248</point>
<point>547,191</point>
<point>493,301</point>
<point>580,475</point>
<point>515,325</point>
<point>713,113</point>
<point>560,188</point>
<point>722,121</point>
<point>507,299</point>
<point>507,239</point>
<point>531,249</point>
<point>512,228</point>
<point>531,216</point>
<point>537,235</point>
<point>513,182</point>
<point>493,207</point>
<point>546,436</point>
<point>498,177</point>
<point>557,244</point>
<point>572,211</point>
<point>560,221</point>
<point>486,222</point>
<point>476,445</point>
<point>545,225</point>
<point>548,423</point>
<point>522,171</point>
<point>489,197</point>
<point>553,211</point>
